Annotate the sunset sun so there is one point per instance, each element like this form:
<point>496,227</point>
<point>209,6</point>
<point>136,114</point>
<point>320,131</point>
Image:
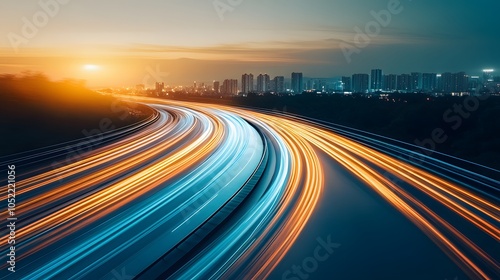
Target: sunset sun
<point>91,67</point>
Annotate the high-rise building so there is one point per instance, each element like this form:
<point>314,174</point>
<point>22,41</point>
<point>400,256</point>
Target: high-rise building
<point>429,82</point>
<point>263,81</point>
<point>390,82</point>
<point>461,82</point>
<point>360,83</point>
<point>439,82</point>
<point>229,87</point>
<point>488,75</point>
<point>279,84</point>
<point>404,82</point>
<point>376,80</point>
<point>216,87</point>
<point>297,83</point>
<point>310,84</point>
<point>474,83</point>
<point>247,83</point>
<point>159,87</point>
<point>454,82</point>
<point>347,83</point>
<point>416,81</point>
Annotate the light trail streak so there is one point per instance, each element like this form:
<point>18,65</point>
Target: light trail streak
<point>351,154</point>
<point>164,182</point>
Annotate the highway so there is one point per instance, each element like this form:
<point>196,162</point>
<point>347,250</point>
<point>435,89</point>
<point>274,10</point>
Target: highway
<point>203,191</point>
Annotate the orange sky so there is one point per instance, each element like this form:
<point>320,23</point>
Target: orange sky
<point>195,40</point>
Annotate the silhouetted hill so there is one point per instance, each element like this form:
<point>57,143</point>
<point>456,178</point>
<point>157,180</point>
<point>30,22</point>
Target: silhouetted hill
<point>36,112</point>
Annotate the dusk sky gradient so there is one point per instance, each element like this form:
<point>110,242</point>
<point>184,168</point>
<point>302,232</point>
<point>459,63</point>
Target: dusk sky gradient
<point>189,40</point>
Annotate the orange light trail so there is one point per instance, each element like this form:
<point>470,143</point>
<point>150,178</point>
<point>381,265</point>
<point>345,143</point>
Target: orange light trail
<point>350,154</point>
<point>171,148</point>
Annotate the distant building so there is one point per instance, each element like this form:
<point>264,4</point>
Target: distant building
<point>454,82</point>
<point>246,83</point>
<point>416,81</point>
<point>278,84</point>
<point>320,85</point>
<point>390,82</point>
<point>159,87</point>
<point>439,82</point>
<point>488,75</point>
<point>216,87</point>
<point>429,82</point>
<point>376,80</point>
<point>360,83</point>
<point>461,82</point>
<point>404,82</point>
<point>263,83</point>
<point>297,83</point>
<point>229,87</point>
<point>310,84</point>
<point>347,83</point>
<point>474,84</point>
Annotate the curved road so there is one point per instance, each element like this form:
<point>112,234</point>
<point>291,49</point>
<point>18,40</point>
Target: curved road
<point>203,191</point>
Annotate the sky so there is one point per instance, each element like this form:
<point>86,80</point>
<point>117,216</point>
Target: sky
<point>126,42</point>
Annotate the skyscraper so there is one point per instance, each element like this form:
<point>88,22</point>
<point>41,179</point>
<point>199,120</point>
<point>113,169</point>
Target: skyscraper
<point>488,75</point>
<point>297,83</point>
<point>390,82</point>
<point>216,87</point>
<point>429,82</point>
<point>404,82</point>
<point>447,82</point>
<point>416,81</point>
<point>263,83</point>
<point>439,82</point>
<point>159,87</point>
<point>310,84</point>
<point>279,84</point>
<point>474,84</point>
<point>461,82</point>
<point>246,83</point>
<point>347,83</point>
<point>376,80</point>
<point>454,82</point>
<point>229,87</point>
<point>360,83</point>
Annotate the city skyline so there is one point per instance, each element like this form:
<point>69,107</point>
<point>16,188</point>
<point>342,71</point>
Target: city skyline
<point>207,41</point>
<point>377,80</point>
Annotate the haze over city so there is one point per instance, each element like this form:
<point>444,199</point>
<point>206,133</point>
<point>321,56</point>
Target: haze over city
<point>213,40</point>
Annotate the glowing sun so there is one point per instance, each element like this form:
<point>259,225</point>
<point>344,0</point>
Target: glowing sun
<point>91,67</point>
